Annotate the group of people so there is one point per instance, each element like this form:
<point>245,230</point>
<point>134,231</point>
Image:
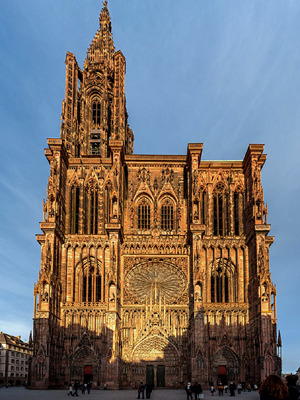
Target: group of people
<point>272,388</point>
<point>73,389</point>
<point>142,388</point>
<point>196,388</point>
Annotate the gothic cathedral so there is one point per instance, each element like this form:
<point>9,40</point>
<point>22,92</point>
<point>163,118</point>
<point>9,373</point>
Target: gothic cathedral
<point>152,267</point>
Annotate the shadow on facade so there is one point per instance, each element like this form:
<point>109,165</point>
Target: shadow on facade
<point>219,351</point>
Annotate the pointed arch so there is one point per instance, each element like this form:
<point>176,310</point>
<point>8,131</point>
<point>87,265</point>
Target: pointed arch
<point>221,220</point>
<point>167,207</point>
<point>223,281</point>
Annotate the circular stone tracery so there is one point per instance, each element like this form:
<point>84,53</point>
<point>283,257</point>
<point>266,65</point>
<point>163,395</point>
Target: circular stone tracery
<point>155,281</point>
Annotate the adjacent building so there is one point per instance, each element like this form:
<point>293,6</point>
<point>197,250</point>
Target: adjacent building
<point>14,360</point>
<point>152,267</point>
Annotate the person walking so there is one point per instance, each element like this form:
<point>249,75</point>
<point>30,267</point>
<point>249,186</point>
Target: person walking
<point>232,388</point>
<point>141,390</point>
<point>70,390</point>
<point>197,389</point>
<point>188,390</point>
<point>88,387</point>
<point>76,386</point>
<point>273,388</point>
<point>220,388</point>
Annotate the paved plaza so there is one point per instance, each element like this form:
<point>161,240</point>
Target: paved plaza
<point>158,394</point>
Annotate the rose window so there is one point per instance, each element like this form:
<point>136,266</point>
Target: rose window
<point>155,281</point>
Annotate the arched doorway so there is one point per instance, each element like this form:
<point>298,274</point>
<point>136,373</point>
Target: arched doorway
<point>84,366</point>
<point>156,360</point>
<point>226,366</point>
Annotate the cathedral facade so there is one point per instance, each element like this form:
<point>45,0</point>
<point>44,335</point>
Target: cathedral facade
<point>153,268</point>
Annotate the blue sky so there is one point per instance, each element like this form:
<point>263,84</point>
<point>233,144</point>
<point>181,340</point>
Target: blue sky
<point>225,73</point>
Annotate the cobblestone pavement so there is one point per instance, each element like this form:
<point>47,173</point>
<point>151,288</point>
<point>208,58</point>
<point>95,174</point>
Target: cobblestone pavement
<point>158,394</point>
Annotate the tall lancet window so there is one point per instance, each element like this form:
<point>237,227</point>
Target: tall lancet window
<point>223,282</point>
<point>167,215</point>
<point>237,207</point>
<point>74,210</point>
<point>144,215</point>
<point>89,280</point>
<point>96,112</point>
<point>91,211</point>
<point>221,220</point>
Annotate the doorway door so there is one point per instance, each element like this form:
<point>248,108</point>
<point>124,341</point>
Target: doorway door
<point>222,376</point>
<point>150,374</point>
<point>160,376</point>
<point>88,373</point>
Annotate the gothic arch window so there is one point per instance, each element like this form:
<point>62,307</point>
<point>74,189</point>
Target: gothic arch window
<point>167,215</point>
<point>89,281</point>
<point>203,207</point>
<point>91,210</point>
<point>96,109</point>
<point>75,210</point>
<point>237,208</point>
<point>223,282</point>
<point>107,203</point>
<point>221,219</point>
<point>144,210</point>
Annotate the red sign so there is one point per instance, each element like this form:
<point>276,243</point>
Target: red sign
<point>88,370</point>
<point>222,370</point>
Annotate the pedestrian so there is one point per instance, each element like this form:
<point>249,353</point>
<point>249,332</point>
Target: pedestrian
<point>88,387</point>
<point>212,390</point>
<point>148,390</point>
<point>82,387</point>
<point>104,386</point>
<point>70,390</point>
<point>188,390</point>
<point>76,386</point>
<point>239,388</point>
<point>141,390</point>
<point>232,388</point>
<point>220,388</point>
<point>294,392</point>
<point>197,389</point>
<point>225,388</point>
<point>273,388</point>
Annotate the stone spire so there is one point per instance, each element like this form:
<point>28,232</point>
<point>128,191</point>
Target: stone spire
<point>102,47</point>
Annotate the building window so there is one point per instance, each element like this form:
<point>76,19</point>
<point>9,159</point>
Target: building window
<point>167,217</point>
<point>12,368</point>
<point>236,213</point>
<point>223,282</point>
<point>91,211</point>
<point>12,360</point>
<point>96,112</point>
<point>12,353</point>
<point>203,208</point>
<point>144,215</point>
<point>12,374</point>
<point>220,212</point>
<point>90,283</point>
<point>74,210</point>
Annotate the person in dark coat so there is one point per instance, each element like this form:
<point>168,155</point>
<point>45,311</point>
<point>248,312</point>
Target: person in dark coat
<point>197,389</point>
<point>273,388</point>
<point>294,392</point>
<point>148,390</point>
<point>232,388</point>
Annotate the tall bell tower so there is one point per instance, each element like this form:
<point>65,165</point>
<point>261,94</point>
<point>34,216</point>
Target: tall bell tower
<point>94,107</point>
